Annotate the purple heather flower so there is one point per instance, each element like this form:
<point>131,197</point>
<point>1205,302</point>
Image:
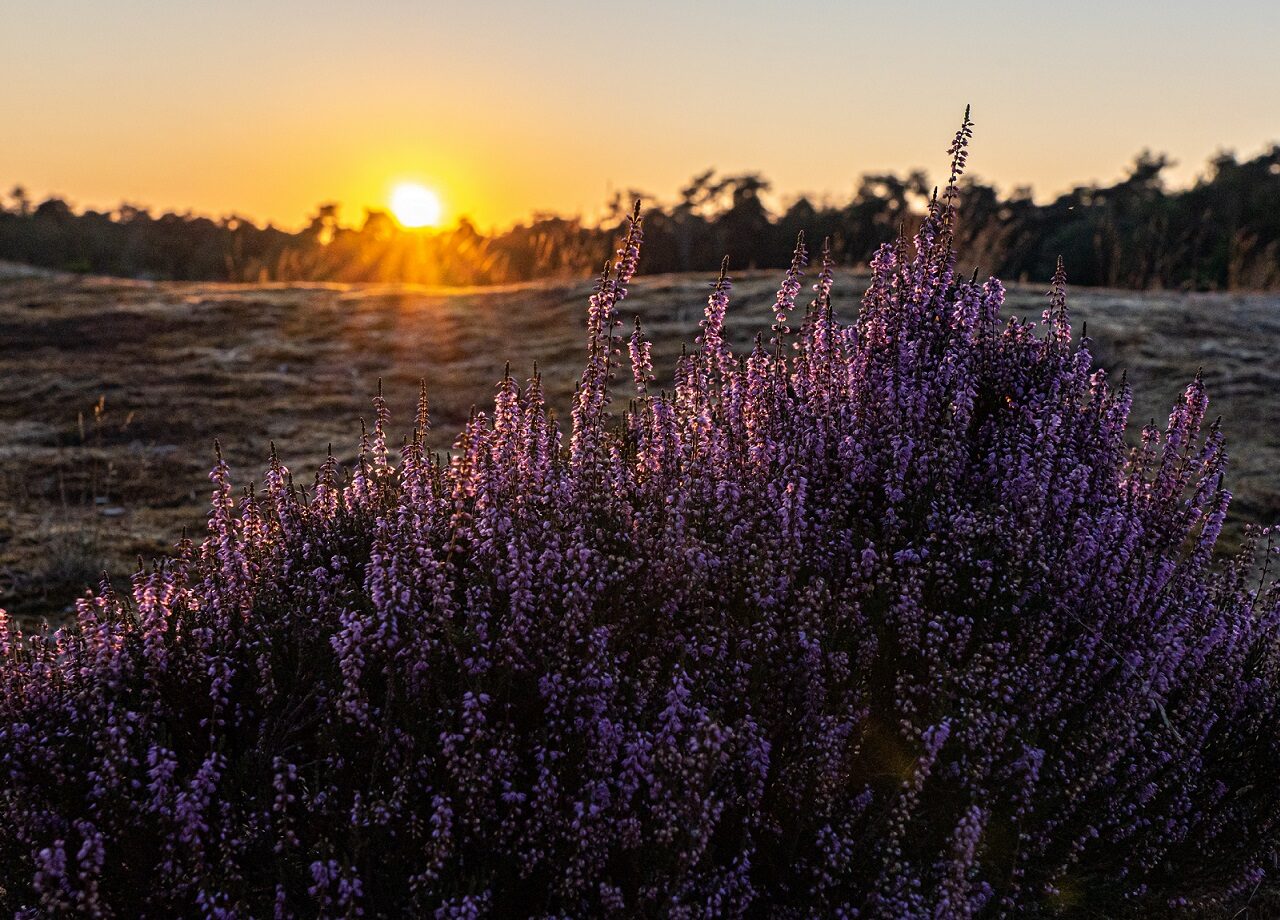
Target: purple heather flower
<point>895,622</point>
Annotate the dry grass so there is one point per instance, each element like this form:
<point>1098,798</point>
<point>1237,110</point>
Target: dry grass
<point>170,367</point>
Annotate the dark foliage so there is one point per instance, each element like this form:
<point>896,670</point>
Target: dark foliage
<point>1223,233</point>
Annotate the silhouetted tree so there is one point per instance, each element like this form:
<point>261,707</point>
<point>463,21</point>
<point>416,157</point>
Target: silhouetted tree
<point>1221,233</point>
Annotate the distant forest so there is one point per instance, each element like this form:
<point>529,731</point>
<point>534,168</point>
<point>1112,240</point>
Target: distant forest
<point>1223,233</point>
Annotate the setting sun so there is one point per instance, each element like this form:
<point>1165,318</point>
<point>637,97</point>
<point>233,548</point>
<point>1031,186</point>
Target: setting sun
<point>415,205</point>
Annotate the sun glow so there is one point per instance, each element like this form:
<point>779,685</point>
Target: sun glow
<point>415,205</point>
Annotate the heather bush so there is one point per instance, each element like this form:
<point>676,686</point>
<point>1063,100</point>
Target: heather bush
<point>882,621</point>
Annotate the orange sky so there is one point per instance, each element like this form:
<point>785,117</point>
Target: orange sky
<point>268,108</point>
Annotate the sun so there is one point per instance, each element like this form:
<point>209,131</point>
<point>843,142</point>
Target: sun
<point>415,205</point>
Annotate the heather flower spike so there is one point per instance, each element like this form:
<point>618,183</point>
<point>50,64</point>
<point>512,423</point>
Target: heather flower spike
<point>791,286</point>
<point>890,624</point>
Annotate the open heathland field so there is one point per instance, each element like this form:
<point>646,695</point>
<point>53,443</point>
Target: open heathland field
<point>114,391</point>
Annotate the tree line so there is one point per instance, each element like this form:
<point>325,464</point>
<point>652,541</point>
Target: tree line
<point>1222,233</point>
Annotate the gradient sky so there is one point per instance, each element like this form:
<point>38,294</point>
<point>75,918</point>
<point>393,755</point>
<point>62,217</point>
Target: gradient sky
<point>267,107</point>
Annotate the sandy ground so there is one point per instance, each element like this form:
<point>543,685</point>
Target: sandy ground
<point>114,391</point>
